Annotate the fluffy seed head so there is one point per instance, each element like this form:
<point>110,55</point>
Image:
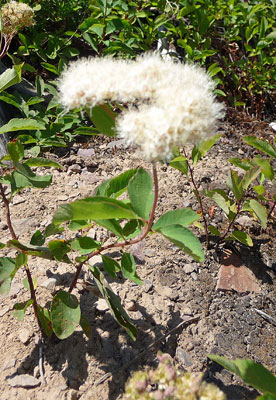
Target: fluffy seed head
<point>15,16</point>
<point>169,103</point>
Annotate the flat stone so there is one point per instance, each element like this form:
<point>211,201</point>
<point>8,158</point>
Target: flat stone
<point>147,285</point>
<point>4,310</point>
<point>121,143</point>
<point>86,152</point>
<point>131,306</point>
<point>89,177</point>
<point>24,335</point>
<point>18,200</point>
<point>235,276</point>
<point>74,168</point>
<point>183,357</point>
<point>10,363</point>
<point>164,291</point>
<point>101,305</point>
<point>62,197</point>
<point>189,268</point>
<point>244,220</point>
<point>49,284</point>
<point>23,225</point>
<point>23,380</point>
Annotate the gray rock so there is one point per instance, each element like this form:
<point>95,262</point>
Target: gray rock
<point>147,285</point>
<point>86,152</point>
<point>183,357</point>
<point>23,380</point>
<point>74,168</point>
<point>24,335</point>
<point>101,305</point>
<point>189,268</point>
<point>18,200</point>
<point>10,363</point>
<point>49,284</point>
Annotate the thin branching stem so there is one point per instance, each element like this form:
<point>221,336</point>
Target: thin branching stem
<point>199,199</point>
<point>126,242</point>
<point>33,296</point>
<point>239,203</point>
<point>271,210</point>
<point>8,214</point>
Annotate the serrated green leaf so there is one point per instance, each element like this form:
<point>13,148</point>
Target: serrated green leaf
<point>242,237</point>
<point>243,164</point>
<point>250,176</point>
<point>181,164</point>
<point>93,208</point>
<point>266,167</point>
<point>252,373</point>
<point>114,303</point>
<point>184,239</point>
<point>22,124</point>
<point>140,193</point>
<point>10,77</point>
<point>85,245</point>
<point>260,212</point>
<point>116,186</point>
<point>129,268</point>
<point>110,266</point>
<point>65,314</point>
<point>184,217</point>
<point>261,145</point>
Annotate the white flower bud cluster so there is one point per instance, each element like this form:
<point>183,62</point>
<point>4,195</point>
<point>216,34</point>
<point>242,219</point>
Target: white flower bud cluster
<point>169,103</point>
<point>15,16</point>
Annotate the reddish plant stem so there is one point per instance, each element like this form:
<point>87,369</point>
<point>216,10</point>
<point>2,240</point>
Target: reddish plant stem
<point>28,272</point>
<point>126,242</point>
<point>200,201</point>
<point>8,215</point>
<point>271,210</point>
<point>33,297</point>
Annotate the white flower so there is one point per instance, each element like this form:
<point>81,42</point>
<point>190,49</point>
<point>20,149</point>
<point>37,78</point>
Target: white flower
<point>15,16</point>
<point>169,103</point>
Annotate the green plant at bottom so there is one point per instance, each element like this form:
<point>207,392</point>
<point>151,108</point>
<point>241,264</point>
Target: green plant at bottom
<point>169,383</point>
<point>255,375</point>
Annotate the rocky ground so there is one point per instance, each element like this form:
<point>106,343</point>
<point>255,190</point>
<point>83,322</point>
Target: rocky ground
<point>174,286</point>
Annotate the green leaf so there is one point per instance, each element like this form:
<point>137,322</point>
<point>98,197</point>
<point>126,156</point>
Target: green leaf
<point>255,375</point>
<point>184,239</point>
<point>259,189</point>
<point>267,396</point>
<point>22,124</point>
<point>85,325</point>
<point>24,177</point>
<point>184,217</point>
<point>111,266</point>
<point>78,225</point>
<point>85,245</point>
<point>50,68</point>
<point>260,212</point>
<point>242,237</point>
<point>93,208</point>
<point>214,231</point>
<point>37,251</point>
<point>261,145</point>
<point>103,118</point>
<point>37,239</point>
<point>201,148</point>
<point>116,186</point>
<point>15,150</point>
<point>45,320</point>
<point>140,193</point>
<point>181,164</point>
<point>59,248</point>
<point>250,176</point>
<point>111,225</point>
<point>129,268</point>
<point>220,198</point>
<point>234,183</point>
<point>19,309</point>
<point>266,167</point>
<point>26,283</point>
<point>65,314</point>
<point>42,162</point>
<point>10,77</point>
<point>243,164</point>
<point>7,266</point>
<point>5,286</point>
<point>2,245</point>
<point>114,303</point>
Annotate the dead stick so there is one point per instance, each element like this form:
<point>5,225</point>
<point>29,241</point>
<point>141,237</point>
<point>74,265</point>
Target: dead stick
<point>116,371</point>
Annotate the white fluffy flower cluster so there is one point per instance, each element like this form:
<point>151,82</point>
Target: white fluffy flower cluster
<point>15,16</point>
<point>169,103</point>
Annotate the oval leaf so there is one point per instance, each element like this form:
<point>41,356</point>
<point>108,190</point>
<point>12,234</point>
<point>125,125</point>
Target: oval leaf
<point>65,314</point>
<point>184,217</point>
<point>22,124</point>
<point>140,193</point>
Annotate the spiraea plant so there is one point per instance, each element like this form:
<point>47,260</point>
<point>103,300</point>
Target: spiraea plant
<point>163,104</point>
